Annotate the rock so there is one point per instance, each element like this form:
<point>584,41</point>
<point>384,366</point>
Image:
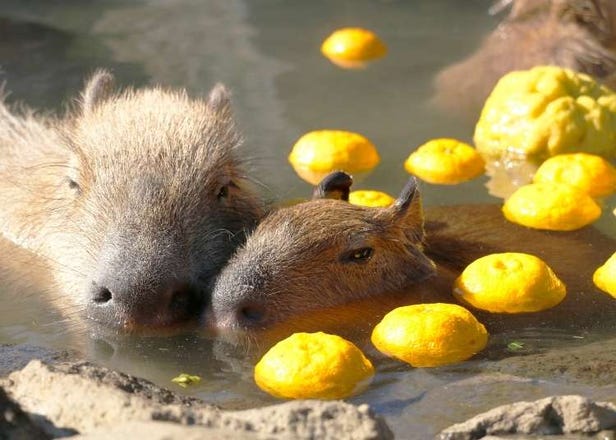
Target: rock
<point>549,416</point>
<point>15,423</point>
<point>93,399</point>
<point>161,431</point>
<point>311,419</point>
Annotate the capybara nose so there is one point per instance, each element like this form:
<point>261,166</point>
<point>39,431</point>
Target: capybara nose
<point>132,307</point>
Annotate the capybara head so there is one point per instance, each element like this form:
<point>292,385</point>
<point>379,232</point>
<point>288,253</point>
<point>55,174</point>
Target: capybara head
<point>319,254</point>
<point>148,206</point>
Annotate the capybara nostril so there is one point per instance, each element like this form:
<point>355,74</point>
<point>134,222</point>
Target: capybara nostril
<point>118,302</point>
<point>100,294</point>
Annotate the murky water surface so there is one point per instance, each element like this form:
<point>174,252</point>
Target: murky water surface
<point>267,51</point>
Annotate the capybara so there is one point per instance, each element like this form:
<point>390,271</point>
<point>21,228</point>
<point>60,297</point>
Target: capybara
<point>314,256</point>
<point>577,34</point>
<point>134,199</point>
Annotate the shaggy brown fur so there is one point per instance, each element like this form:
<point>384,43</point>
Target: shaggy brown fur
<point>577,34</point>
<point>135,199</point>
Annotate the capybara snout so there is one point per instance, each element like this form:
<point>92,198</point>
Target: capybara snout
<point>143,283</point>
<point>322,253</point>
<point>135,199</point>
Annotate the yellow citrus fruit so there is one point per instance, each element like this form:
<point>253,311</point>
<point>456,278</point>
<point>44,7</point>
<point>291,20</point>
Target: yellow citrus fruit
<point>605,276</point>
<point>545,111</point>
<point>313,366</point>
<point>509,283</point>
<point>588,172</point>
<point>445,161</point>
<point>373,199</point>
<point>430,335</point>
<point>318,153</point>
<point>353,47</point>
<point>551,206</point>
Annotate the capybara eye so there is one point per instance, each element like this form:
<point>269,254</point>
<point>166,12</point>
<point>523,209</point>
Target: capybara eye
<point>73,185</point>
<point>358,255</point>
<point>223,192</point>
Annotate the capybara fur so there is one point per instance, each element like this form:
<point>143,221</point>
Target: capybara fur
<point>134,199</point>
<point>576,34</point>
<point>308,259</point>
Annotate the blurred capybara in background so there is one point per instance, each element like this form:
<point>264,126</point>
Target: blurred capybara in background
<point>134,200</point>
<point>576,34</point>
<point>325,253</point>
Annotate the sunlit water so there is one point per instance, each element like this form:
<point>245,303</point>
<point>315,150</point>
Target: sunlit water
<point>267,51</point>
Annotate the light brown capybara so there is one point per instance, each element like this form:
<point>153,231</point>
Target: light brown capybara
<point>307,266</point>
<point>134,200</point>
<point>576,34</point>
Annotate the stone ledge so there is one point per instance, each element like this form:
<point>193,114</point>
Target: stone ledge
<point>558,415</point>
<point>78,396</point>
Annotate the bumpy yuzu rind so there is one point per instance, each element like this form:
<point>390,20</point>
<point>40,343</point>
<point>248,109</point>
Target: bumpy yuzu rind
<point>551,206</point>
<point>430,335</point>
<point>320,152</point>
<point>353,44</point>
<point>545,111</point>
<point>509,282</point>
<point>445,161</point>
<point>591,173</point>
<point>313,366</point>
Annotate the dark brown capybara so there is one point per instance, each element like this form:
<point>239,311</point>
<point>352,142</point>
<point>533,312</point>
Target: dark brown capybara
<point>576,34</point>
<point>134,200</point>
<point>306,266</point>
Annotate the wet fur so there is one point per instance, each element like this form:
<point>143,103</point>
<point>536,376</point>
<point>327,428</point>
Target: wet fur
<point>126,181</point>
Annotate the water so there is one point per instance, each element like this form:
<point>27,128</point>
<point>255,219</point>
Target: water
<point>267,51</point>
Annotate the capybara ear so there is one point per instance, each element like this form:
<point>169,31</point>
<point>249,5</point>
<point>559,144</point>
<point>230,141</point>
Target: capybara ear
<point>219,100</point>
<point>408,210</point>
<point>336,185</point>
<point>97,89</point>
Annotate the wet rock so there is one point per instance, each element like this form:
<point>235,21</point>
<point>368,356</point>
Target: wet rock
<point>550,416</point>
<point>93,399</point>
<point>15,423</point>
